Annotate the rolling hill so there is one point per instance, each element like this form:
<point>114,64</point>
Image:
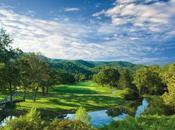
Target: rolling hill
<point>87,68</point>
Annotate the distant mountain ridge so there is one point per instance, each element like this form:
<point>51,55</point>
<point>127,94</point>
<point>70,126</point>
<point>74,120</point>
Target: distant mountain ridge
<point>83,65</point>
<point>86,69</point>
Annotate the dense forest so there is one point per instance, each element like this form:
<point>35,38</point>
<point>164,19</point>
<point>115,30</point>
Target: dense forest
<point>35,75</point>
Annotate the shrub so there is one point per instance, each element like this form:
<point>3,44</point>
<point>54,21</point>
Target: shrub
<point>68,125</point>
<point>156,106</point>
<point>143,123</point>
<point>82,115</point>
<point>129,123</point>
<point>30,121</point>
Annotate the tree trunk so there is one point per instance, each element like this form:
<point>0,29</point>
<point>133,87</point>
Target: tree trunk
<point>24,95</point>
<point>47,90</point>
<point>140,93</point>
<point>34,95</point>
<point>43,91</point>
<point>11,93</point>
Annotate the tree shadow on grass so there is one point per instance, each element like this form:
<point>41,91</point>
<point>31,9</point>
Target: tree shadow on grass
<point>87,101</point>
<point>83,84</point>
<point>72,90</point>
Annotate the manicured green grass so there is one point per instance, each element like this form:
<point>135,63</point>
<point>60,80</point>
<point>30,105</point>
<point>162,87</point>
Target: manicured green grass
<point>70,97</point>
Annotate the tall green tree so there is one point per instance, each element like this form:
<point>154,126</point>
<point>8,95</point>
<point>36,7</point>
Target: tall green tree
<point>148,81</point>
<point>33,72</point>
<point>107,76</point>
<point>168,73</point>
<point>125,79</point>
<point>11,78</point>
<point>2,81</point>
<point>5,46</point>
<point>9,74</point>
<point>169,96</point>
<point>168,76</point>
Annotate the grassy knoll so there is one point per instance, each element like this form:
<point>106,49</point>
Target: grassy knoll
<point>70,97</point>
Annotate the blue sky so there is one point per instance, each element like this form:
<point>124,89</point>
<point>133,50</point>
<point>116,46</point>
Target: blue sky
<point>138,31</point>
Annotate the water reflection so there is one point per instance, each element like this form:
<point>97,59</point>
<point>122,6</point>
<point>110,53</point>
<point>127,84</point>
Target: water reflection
<point>122,116</point>
<point>141,108</point>
<point>100,118</point>
<point>4,121</point>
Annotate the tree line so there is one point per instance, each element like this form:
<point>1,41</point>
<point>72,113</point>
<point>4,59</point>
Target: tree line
<point>150,80</point>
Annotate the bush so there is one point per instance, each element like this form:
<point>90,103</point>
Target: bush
<point>33,121</point>
<point>30,121</point>
<point>68,125</point>
<point>157,122</point>
<point>143,123</point>
<point>82,115</point>
<point>129,123</point>
<point>156,106</point>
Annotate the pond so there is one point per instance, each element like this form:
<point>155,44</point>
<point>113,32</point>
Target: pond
<point>100,117</point>
<point>5,120</point>
<point>141,108</point>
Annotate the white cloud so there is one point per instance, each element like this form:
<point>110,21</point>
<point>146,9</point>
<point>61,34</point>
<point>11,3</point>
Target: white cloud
<point>64,39</point>
<point>71,9</point>
<point>150,15</point>
<point>54,39</point>
<point>98,13</point>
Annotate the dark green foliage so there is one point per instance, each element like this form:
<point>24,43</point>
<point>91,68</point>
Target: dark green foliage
<point>81,72</point>
<point>96,64</point>
<point>2,81</point>
<point>34,73</point>
<point>122,78</point>
<point>84,64</point>
<point>5,46</point>
<point>168,77</point>
<point>84,70</point>
<point>11,78</point>
<point>118,64</point>
<point>156,106</point>
<point>125,79</point>
<point>107,76</point>
<point>9,71</point>
<point>65,78</point>
<point>148,80</point>
<point>131,94</point>
<point>168,73</point>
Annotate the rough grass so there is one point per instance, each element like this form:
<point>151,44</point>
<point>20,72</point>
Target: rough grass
<point>70,97</point>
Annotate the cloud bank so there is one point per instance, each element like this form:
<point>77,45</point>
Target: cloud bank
<point>153,16</point>
<point>139,32</point>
